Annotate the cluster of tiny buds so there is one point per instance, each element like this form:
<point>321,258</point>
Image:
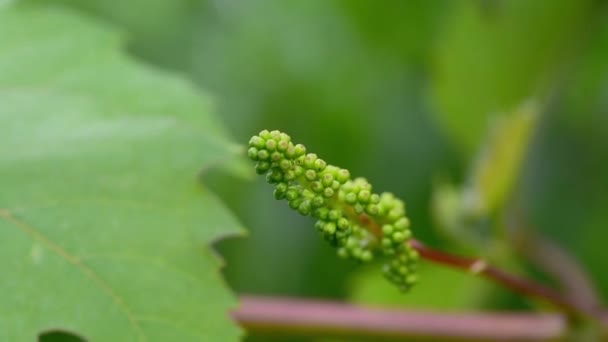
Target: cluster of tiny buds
<point>358,222</point>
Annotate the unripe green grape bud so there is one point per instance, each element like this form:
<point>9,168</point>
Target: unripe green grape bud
<point>334,215</point>
<point>335,185</point>
<point>399,237</point>
<point>350,198</point>
<point>276,156</point>
<point>299,150</point>
<point>343,223</point>
<point>282,146</point>
<point>371,209</point>
<point>275,134</point>
<point>327,180</point>
<point>342,176</point>
<point>307,193</point>
<point>271,145</point>
<point>316,187</point>
<point>387,229</point>
<point>395,214</point>
<point>351,243</point>
<point>364,196</point>
<point>330,228</point>
<point>285,165</point>
<point>284,137</point>
<point>322,213</point>
<point>274,177</point>
<point>265,134</point>
<point>310,175</point>
<point>320,165</point>
<point>252,153</point>
<point>411,279</point>
<point>278,194</point>
<point>257,142</point>
<point>304,208</point>
<point>359,209</point>
<point>328,192</point>
<point>374,198</point>
<point>309,160</point>
<point>318,201</point>
<point>292,194</point>
<point>295,203</point>
<point>263,155</point>
<point>261,167</point>
<point>386,242</point>
<point>402,223</point>
<point>289,175</point>
<point>290,152</point>
<point>298,171</point>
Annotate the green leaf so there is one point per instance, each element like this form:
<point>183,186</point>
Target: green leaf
<point>104,222</point>
<point>494,56</point>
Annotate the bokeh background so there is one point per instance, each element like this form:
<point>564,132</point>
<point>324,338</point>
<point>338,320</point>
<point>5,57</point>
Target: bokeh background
<point>488,117</point>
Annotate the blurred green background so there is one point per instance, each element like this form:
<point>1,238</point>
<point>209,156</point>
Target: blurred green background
<point>428,99</point>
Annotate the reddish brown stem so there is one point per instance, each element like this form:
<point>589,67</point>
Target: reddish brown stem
<point>508,280</point>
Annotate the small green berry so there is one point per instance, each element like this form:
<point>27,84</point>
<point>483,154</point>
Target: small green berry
<point>257,142</point>
<point>310,175</point>
<point>342,176</point>
<point>263,155</point>
<point>261,167</point>
<point>350,198</point>
<point>299,150</point>
<point>252,153</point>
<point>320,165</point>
<point>387,229</point>
<point>328,192</point>
<point>271,145</point>
<point>304,208</point>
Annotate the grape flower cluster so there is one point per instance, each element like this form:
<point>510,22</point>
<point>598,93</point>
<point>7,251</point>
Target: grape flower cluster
<point>350,216</point>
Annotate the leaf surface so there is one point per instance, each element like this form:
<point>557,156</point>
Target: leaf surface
<point>104,222</point>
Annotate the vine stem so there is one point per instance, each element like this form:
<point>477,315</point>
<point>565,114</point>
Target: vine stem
<point>313,318</point>
<point>523,286</point>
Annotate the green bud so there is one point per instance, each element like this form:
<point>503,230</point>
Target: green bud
<point>350,198</point>
<point>261,167</point>
<point>265,134</point>
<point>298,171</point>
<point>387,229</point>
<point>364,196</point>
<point>316,187</point>
<point>299,150</point>
<point>282,146</point>
<point>263,155</point>
<point>402,223</point>
<point>319,225</point>
<point>292,194</point>
<point>309,161</point>
<point>276,156</point>
<point>284,137</point>
<point>343,223</point>
<point>374,198</point>
<point>318,201</point>
<point>335,185</point>
<point>252,153</point>
<point>334,215</point>
<point>342,176</point>
<point>399,237</point>
<point>275,134</point>
<point>285,165</point>
<point>327,180</point>
<point>289,175</point>
<point>257,142</point>
<point>320,165</point>
<point>271,145</point>
<point>310,175</point>
<point>328,192</point>
<point>322,213</point>
<point>372,209</point>
<point>358,208</point>
<point>295,203</point>
<point>304,208</point>
<point>330,228</point>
